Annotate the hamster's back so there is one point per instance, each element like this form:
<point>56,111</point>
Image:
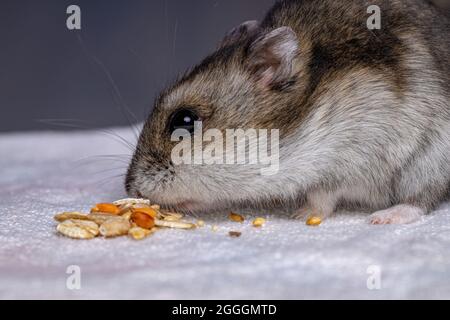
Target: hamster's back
<point>338,31</point>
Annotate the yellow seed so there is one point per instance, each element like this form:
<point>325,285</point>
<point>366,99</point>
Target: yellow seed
<point>143,220</point>
<point>106,208</point>
<point>146,210</point>
<point>61,217</point>
<point>259,222</point>
<point>174,224</point>
<point>127,215</point>
<point>313,221</point>
<point>171,218</point>
<point>236,217</point>
<point>138,233</point>
<point>200,223</point>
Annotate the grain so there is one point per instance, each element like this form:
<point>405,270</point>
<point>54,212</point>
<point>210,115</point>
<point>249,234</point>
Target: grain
<point>234,234</point>
<point>142,220</point>
<point>115,227</point>
<point>71,215</point>
<point>200,223</point>
<point>100,218</point>
<point>259,222</point>
<point>106,208</point>
<point>131,202</point>
<point>313,221</point>
<point>138,233</point>
<point>174,224</point>
<point>236,217</point>
<point>146,210</point>
<point>78,229</point>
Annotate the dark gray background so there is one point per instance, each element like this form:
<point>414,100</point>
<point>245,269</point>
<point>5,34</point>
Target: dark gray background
<point>46,72</point>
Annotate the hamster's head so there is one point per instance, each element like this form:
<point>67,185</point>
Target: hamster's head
<point>246,84</point>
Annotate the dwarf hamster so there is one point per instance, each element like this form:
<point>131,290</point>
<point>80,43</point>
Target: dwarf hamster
<point>363,114</point>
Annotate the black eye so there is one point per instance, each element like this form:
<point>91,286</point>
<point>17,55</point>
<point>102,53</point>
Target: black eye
<point>183,119</point>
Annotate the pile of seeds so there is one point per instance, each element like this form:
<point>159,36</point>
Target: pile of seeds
<point>137,218</point>
<point>134,217</point>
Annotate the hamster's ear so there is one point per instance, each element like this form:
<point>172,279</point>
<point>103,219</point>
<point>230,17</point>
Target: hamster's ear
<point>271,57</point>
<point>246,29</point>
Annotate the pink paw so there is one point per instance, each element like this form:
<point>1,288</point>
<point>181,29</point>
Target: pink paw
<point>400,214</point>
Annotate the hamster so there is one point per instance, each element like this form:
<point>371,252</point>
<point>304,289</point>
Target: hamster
<point>363,114</point>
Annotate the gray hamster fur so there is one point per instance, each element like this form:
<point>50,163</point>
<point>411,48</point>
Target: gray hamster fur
<point>364,115</point>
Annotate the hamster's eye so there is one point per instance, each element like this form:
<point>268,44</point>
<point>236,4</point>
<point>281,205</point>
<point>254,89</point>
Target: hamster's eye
<point>183,119</point>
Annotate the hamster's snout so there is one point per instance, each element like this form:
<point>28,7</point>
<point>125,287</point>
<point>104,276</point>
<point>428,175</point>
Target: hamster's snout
<point>141,180</point>
<point>148,178</point>
<point>147,187</point>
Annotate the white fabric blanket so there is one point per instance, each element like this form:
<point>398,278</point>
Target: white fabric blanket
<point>45,173</point>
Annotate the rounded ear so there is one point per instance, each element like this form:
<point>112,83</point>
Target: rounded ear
<point>271,57</point>
<point>246,29</point>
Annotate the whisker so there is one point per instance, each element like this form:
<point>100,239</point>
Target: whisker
<point>79,164</point>
<point>106,157</point>
<point>78,124</point>
<point>174,42</point>
<point>99,172</point>
<point>130,145</point>
<point>134,127</point>
<point>105,180</point>
<point>120,101</point>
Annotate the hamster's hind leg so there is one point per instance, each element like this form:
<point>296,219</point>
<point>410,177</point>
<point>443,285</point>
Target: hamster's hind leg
<point>399,214</point>
<point>420,186</point>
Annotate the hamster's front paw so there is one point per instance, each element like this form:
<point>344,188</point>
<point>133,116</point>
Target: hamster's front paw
<point>302,213</point>
<point>400,214</point>
<point>319,204</point>
<point>308,212</point>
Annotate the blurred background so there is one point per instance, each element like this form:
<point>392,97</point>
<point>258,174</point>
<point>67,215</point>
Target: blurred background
<point>126,52</point>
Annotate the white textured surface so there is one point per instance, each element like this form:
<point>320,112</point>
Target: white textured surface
<point>41,174</point>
